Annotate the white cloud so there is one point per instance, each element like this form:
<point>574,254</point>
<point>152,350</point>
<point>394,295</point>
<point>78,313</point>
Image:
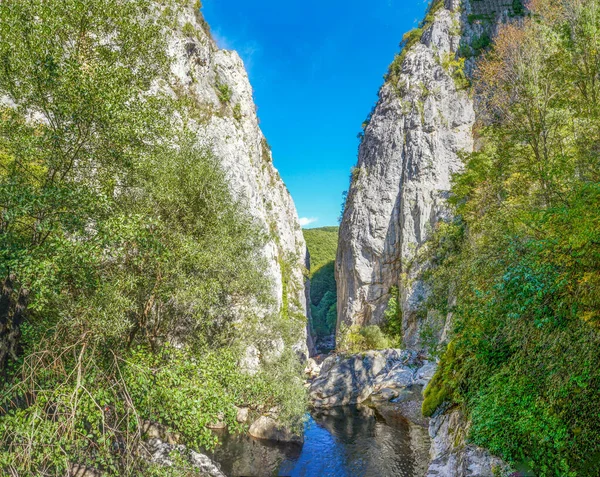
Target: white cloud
<point>304,221</point>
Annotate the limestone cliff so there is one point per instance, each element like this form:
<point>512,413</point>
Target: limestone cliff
<point>216,83</point>
<point>452,455</point>
<point>411,147</point>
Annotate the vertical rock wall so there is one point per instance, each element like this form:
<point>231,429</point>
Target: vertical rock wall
<point>411,147</point>
<point>226,122</point>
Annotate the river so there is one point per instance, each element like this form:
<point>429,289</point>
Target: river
<point>352,441</point>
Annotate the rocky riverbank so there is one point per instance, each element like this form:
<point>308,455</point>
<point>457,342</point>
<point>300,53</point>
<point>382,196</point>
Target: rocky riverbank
<point>392,382</point>
<point>379,375</point>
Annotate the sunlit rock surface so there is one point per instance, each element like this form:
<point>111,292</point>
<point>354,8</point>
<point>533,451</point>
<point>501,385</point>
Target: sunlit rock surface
<point>216,84</point>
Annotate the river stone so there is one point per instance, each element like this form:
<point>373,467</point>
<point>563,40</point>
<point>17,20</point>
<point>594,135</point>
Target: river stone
<point>312,369</point>
<point>267,428</point>
<point>242,415</point>
<point>452,456</point>
<point>386,394</point>
<point>425,373</point>
<point>348,381</point>
<point>329,363</point>
<point>160,453</point>
<point>397,378</point>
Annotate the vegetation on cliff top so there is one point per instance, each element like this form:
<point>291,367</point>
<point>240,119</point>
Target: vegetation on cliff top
<point>522,257</point>
<point>124,260</point>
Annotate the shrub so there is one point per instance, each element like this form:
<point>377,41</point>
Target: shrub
<point>237,112</point>
<point>189,30</point>
<point>128,268</point>
<point>356,338</point>
<point>322,245</point>
<point>519,268</point>
<point>441,387</point>
<point>223,92</point>
<point>393,315</point>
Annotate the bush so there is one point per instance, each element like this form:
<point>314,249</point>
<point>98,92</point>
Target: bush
<point>189,30</point>
<point>393,315</point>
<point>130,272</point>
<point>519,267</point>
<point>322,245</point>
<point>224,92</point>
<point>237,112</point>
<point>356,339</point>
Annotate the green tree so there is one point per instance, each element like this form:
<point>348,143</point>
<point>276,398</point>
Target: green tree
<point>125,261</point>
<point>522,259</point>
<point>322,245</point>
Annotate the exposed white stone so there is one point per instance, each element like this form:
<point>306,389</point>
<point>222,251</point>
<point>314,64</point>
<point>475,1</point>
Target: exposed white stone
<point>242,415</point>
<point>228,126</point>
<point>160,453</point>
<point>452,456</point>
<point>410,149</point>
<point>353,379</point>
<point>425,373</point>
<point>267,428</point>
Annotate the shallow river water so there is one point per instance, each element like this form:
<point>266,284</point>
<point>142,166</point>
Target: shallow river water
<point>342,442</point>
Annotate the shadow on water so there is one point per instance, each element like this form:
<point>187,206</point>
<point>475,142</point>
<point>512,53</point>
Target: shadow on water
<point>342,442</point>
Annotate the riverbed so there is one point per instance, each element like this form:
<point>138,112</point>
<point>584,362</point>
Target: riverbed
<point>350,441</point>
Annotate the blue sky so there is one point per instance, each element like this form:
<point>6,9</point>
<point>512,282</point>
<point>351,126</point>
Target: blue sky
<point>316,67</point>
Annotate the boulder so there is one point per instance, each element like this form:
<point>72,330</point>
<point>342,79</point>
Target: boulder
<point>385,394</point>
<point>160,453</point>
<point>452,456</point>
<point>267,428</point>
<point>398,377</point>
<point>347,381</point>
<point>312,369</point>
<point>242,415</point>
<point>425,373</point>
<point>352,379</point>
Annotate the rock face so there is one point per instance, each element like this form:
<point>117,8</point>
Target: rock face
<point>411,147</point>
<point>381,375</point>
<point>161,453</point>
<point>216,84</point>
<point>267,428</point>
<point>451,456</point>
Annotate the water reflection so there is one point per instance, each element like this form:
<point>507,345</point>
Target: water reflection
<point>342,442</point>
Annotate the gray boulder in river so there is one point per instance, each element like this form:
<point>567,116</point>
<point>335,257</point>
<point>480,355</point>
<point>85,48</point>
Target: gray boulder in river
<point>355,378</point>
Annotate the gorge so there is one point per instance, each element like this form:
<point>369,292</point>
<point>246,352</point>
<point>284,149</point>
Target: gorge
<point>164,313</point>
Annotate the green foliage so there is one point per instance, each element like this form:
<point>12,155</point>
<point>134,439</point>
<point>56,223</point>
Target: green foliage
<point>265,151</point>
<point>517,8</point>
<point>224,92</point>
<point>410,39</point>
<point>322,245</point>
<point>393,316</point>
<point>356,339</point>
<point>120,238</point>
<point>189,30</point>
<point>442,385</point>
<point>519,268</point>
<point>237,112</point>
<point>456,68</point>
<point>481,42</point>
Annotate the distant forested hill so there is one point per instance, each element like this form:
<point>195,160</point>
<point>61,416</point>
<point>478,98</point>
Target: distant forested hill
<point>322,245</point>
